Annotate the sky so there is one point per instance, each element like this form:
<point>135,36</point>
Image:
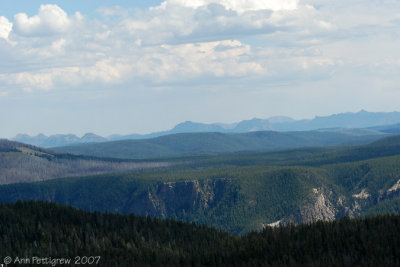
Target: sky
<point>143,66</point>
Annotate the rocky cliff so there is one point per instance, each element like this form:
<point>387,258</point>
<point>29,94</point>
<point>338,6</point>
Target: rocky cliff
<point>166,199</point>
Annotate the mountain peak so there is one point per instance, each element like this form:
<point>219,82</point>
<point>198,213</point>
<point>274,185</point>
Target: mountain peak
<point>92,138</point>
<point>41,136</point>
<point>89,135</point>
<point>280,119</point>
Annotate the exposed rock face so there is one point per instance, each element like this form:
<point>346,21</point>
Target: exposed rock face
<point>324,205</point>
<point>394,188</point>
<point>274,224</point>
<point>362,195</point>
<point>320,207</point>
<point>170,198</point>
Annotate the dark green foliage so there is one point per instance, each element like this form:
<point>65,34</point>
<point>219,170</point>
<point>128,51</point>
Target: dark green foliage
<point>237,192</point>
<point>235,199</point>
<point>311,156</point>
<point>49,230</point>
<point>372,241</point>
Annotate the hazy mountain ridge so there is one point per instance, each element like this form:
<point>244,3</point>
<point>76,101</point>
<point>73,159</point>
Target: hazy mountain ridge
<point>214,143</point>
<point>362,119</point>
<point>58,139</point>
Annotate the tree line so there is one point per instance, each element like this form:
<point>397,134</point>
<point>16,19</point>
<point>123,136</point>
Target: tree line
<point>43,229</point>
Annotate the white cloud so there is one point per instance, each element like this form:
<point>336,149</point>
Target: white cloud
<point>239,6</point>
<point>155,65</point>
<point>179,42</point>
<point>51,19</point>
<point>5,27</point>
<point>31,80</point>
<point>183,41</point>
<point>180,63</point>
<point>46,79</point>
<point>201,21</point>
<point>106,71</point>
<point>348,14</point>
<point>59,45</point>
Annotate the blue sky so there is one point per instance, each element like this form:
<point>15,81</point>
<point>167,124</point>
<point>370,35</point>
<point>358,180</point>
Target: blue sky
<point>142,66</point>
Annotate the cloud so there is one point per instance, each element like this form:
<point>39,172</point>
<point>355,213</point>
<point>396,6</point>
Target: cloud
<point>5,27</point>
<point>152,65</point>
<point>180,63</point>
<point>182,42</point>
<point>239,6</point>
<point>177,42</point>
<point>107,71</point>
<point>29,81</point>
<point>179,21</point>
<point>51,19</point>
<point>186,25</point>
<point>59,45</point>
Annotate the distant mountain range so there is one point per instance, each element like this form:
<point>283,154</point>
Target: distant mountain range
<point>58,139</point>
<point>386,122</point>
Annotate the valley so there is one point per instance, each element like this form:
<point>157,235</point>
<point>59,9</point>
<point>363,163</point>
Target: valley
<point>199,133</point>
<point>239,192</point>
<point>206,198</point>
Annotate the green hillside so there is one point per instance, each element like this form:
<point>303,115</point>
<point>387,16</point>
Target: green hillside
<point>240,192</point>
<point>309,156</point>
<point>388,141</point>
<point>35,231</point>
<point>25,163</point>
<point>219,198</point>
<point>217,143</point>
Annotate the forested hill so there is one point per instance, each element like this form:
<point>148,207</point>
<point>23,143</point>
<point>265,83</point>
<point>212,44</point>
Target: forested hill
<point>34,230</point>
<point>217,143</point>
<point>388,141</point>
<point>26,163</point>
<point>240,192</point>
